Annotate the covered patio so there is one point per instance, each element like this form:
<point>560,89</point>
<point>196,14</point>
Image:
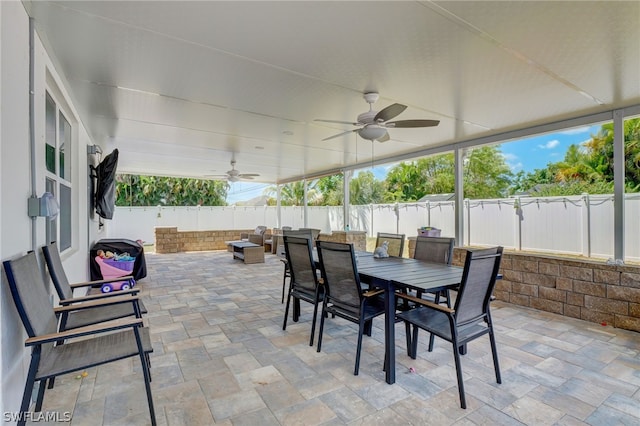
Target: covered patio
<point>221,357</point>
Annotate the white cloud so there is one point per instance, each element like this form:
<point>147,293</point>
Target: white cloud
<point>550,145</point>
<point>515,167</point>
<point>509,157</point>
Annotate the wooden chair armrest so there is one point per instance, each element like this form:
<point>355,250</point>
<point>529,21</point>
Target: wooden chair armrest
<point>371,293</point>
<point>85,331</point>
<point>131,291</point>
<point>426,303</point>
<point>100,282</point>
<point>96,303</point>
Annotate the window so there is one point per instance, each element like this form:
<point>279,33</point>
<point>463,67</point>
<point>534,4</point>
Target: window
<point>58,171</point>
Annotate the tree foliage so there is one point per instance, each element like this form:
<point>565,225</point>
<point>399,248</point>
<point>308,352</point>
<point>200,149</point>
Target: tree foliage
<point>133,190</point>
<point>292,194</point>
<point>587,168</point>
<point>485,173</point>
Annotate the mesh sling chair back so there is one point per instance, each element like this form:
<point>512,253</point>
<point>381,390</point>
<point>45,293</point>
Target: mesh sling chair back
<point>280,252</point>
<point>470,317</point>
<point>437,250</point>
<point>396,243</point>
<point>304,283</point>
<point>97,344</point>
<point>343,292</point>
<point>64,289</point>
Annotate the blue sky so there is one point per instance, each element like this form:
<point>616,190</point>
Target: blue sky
<point>524,154</point>
<point>537,152</point>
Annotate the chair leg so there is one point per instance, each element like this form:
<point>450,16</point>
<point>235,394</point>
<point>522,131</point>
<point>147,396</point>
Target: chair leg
<point>447,294</point>
<point>431,340</point>
<point>361,330</point>
<point>494,350</point>
<point>322,317</point>
<point>41,388</point>
<point>414,342</point>
<point>284,282</point>
<point>456,357</point>
<point>313,322</point>
<point>368,327</point>
<point>286,311</point>
<point>28,387</point>
<point>407,332</point>
<point>147,376</point>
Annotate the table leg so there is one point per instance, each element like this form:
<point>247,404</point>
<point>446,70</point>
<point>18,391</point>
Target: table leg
<point>389,327</point>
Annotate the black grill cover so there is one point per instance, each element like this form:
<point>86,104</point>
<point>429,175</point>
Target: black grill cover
<point>118,246</point>
<point>105,196</point>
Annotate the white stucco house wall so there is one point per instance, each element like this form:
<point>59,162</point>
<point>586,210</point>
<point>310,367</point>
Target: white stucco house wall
<point>18,232</point>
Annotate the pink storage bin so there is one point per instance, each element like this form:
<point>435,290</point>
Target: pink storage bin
<point>109,271</point>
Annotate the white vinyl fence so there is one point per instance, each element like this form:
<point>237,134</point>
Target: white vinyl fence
<point>581,225</point>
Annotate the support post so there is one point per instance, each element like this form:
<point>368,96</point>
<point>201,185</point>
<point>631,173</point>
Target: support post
<point>305,202</point>
<point>586,225</point>
<point>346,181</point>
<point>618,184</point>
<point>459,195</point>
<point>278,206</point>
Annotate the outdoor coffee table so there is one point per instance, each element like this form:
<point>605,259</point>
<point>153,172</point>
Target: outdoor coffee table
<point>247,252</point>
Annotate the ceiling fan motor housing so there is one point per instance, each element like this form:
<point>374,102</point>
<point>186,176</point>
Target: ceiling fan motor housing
<point>367,117</point>
<point>372,132</point>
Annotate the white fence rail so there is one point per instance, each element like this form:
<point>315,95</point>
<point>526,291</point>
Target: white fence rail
<point>581,225</point>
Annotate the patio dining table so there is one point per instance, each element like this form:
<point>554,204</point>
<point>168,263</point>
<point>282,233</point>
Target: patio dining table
<point>393,273</point>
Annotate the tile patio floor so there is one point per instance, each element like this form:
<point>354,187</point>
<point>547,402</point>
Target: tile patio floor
<point>221,357</point>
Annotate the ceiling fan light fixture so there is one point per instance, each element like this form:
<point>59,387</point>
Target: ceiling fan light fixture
<point>372,132</point>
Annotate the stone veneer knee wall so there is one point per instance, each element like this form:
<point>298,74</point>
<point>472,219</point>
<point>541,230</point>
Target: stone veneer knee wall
<point>584,289</point>
<point>170,240</point>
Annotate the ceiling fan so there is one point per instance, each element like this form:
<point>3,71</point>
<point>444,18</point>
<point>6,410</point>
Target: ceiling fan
<point>234,175</point>
<point>373,125</point>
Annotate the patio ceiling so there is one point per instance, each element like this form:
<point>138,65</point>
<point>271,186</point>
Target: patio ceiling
<point>182,88</point>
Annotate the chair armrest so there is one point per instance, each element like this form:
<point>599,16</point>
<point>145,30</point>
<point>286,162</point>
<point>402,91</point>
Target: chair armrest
<point>256,239</point>
<point>97,303</point>
<point>100,282</point>
<point>88,297</point>
<point>84,331</point>
<point>426,303</point>
<point>371,293</point>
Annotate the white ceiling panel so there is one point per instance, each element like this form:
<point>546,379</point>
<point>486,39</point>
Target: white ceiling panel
<point>183,87</point>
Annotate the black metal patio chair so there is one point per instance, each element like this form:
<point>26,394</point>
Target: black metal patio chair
<point>83,347</point>
<point>304,283</point>
<point>470,317</point>
<point>344,296</point>
<point>396,243</point>
<point>437,250</point>
<point>81,318</point>
<point>280,252</point>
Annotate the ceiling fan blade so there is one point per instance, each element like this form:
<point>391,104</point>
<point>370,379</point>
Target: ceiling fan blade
<point>412,123</point>
<point>338,122</point>
<point>248,175</point>
<point>390,112</point>
<point>384,137</point>
<point>340,134</point>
